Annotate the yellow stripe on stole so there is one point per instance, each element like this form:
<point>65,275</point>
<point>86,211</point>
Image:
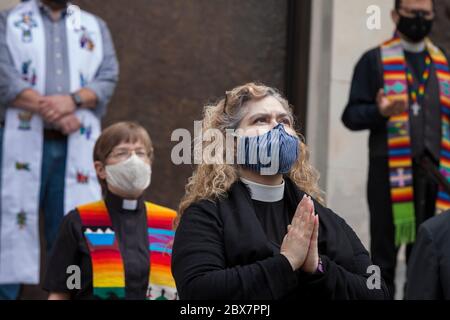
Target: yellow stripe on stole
<point>446,143</point>
<point>445,99</point>
<point>442,206</point>
<point>394,77</point>
<point>445,163</point>
<point>162,278</point>
<point>403,117</point>
<point>442,75</point>
<point>402,192</point>
<point>108,279</point>
<point>94,206</point>
<point>396,97</point>
<point>394,58</point>
<point>399,141</point>
<point>160,211</point>
<point>394,163</point>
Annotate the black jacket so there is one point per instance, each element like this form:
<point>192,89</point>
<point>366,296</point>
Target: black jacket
<point>221,252</point>
<point>429,265</point>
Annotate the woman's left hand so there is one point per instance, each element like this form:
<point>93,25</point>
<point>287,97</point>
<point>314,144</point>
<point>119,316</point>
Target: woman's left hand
<point>312,259</point>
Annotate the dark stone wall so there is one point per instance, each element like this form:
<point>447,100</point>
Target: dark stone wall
<point>441,29</point>
<point>175,55</point>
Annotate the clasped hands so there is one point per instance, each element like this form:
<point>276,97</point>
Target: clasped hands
<point>300,245</point>
<point>59,110</point>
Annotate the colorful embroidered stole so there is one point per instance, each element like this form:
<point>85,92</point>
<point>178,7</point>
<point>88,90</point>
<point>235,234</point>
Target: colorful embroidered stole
<point>23,136</point>
<point>107,264</point>
<point>399,141</point>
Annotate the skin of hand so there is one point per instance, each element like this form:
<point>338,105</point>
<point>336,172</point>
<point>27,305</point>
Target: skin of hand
<point>53,108</point>
<point>68,124</point>
<point>388,107</point>
<point>28,100</point>
<point>312,259</point>
<point>58,296</point>
<point>296,243</point>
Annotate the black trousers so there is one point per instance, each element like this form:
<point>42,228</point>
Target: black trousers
<point>382,231</point>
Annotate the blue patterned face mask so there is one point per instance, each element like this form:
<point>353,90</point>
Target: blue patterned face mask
<point>274,152</point>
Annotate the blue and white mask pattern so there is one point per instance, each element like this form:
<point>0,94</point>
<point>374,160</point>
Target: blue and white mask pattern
<point>272,153</point>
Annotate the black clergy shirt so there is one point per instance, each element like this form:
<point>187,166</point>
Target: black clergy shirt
<point>274,219</point>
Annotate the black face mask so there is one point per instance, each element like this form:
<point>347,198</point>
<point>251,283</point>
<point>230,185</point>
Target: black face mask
<point>417,28</point>
<point>61,3</point>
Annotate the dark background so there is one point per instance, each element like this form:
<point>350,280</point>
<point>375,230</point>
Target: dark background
<point>441,29</point>
<point>176,55</point>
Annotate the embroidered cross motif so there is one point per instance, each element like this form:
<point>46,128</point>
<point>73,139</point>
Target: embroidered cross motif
<point>86,130</point>
<point>28,73</point>
<point>86,41</point>
<point>26,24</point>
<point>23,166</point>
<point>82,178</point>
<point>22,219</point>
<point>158,293</point>
<point>398,128</point>
<point>401,178</point>
<point>83,80</point>
<point>25,120</point>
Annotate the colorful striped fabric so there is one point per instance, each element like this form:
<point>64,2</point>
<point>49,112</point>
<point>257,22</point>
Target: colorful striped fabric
<point>107,264</point>
<point>399,143</point>
<point>443,75</point>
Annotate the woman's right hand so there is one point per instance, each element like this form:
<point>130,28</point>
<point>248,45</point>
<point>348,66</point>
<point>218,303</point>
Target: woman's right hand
<point>296,242</point>
<point>389,108</point>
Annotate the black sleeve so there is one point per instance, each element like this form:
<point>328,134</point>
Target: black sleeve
<point>344,283</point>
<point>423,269</point>
<point>200,269</point>
<point>361,112</point>
<point>64,254</point>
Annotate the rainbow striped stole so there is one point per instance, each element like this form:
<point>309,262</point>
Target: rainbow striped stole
<point>443,75</point>
<point>107,264</point>
<point>399,141</point>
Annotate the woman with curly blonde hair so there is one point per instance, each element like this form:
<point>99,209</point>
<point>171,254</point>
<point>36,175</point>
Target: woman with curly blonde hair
<point>255,226</point>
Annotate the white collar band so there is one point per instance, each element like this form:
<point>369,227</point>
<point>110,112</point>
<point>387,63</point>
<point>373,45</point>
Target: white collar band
<point>263,192</point>
<point>413,47</point>
<point>129,204</point>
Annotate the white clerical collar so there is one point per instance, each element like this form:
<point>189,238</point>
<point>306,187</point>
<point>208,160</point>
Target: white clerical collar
<point>263,192</point>
<point>129,204</point>
<point>413,47</point>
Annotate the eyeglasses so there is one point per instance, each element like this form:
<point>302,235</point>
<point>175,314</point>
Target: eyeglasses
<point>123,154</point>
<point>409,13</point>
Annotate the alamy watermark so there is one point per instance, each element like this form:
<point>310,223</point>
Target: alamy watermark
<point>373,282</point>
<point>373,21</point>
<point>73,281</point>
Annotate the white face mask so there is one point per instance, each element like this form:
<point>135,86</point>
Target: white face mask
<point>130,176</point>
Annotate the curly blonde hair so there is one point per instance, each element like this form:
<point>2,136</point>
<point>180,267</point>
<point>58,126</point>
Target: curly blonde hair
<point>212,181</point>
